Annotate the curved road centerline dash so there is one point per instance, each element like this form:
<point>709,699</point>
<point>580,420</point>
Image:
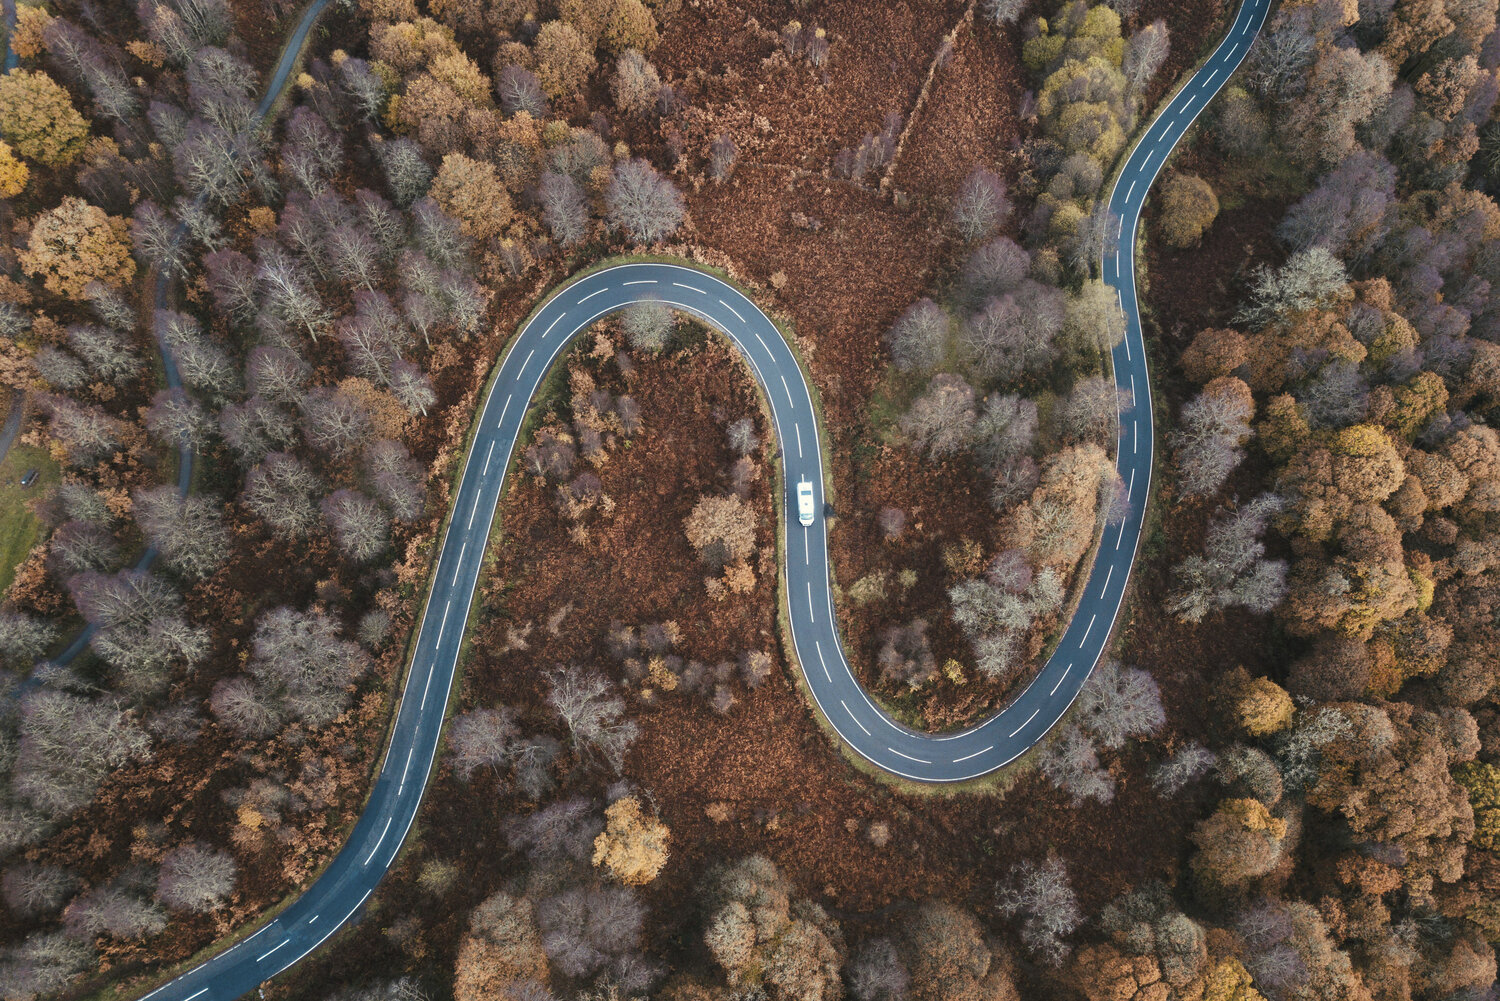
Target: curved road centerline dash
<point>342,889</point>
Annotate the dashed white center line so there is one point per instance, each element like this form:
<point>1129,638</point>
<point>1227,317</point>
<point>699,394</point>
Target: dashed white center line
<point>528,357</point>
<point>1028,720</point>
<point>806,548</point>
<point>966,757</point>
<point>436,646</point>
<point>199,993</point>
<point>1061,678</point>
<point>1135,434</point>
<point>506,409</point>
<point>488,452</point>
<point>1087,629</point>
<point>461,550</point>
<point>1130,490</point>
<point>819,647</point>
<point>798,429</point>
<point>313,920</point>
<point>1119,537</point>
<point>692,288</point>
<point>642,281</point>
<point>592,294</point>
<point>405,771</point>
<point>263,955</point>
<point>812,615</point>
<point>908,757</point>
<point>475,509</point>
<point>1130,192</point>
<point>736,313</point>
<point>1108,574</point>
<point>1210,80</point>
<point>552,324</point>
<point>384,831</point>
<point>789,401</point>
<point>853,717</point>
<point>1132,387</point>
<point>762,341</point>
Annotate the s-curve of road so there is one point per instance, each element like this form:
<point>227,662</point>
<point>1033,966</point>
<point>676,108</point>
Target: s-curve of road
<point>342,889</point>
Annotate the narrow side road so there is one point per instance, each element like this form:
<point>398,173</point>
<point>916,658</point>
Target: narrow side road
<point>339,893</point>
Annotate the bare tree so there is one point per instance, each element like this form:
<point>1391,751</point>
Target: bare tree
<point>68,744</point>
<point>563,208</point>
<point>300,657</point>
<point>255,428</point>
<point>411,386</point>
<point>1233,570</point>
<point>919,336</point>
<point>359,526</point>
<point>642,203</point>
<point>941,420</point>
<point>1041,896</point>
<point>88,431</point>
<point>1005,11</point>
<point>634,83</point>
<point>482,738</point>
<point>1191,762</point>
<point>188,531</point>
<point>232,283</point>
<point>277,374</point>
<point>722,154</point>
<point>1118,703</point>
<point>204,367</point>
<point>113,911</point>
<point>334,421</point>
<point>396,477</point>
<point>58,369</point>
<point>24,638</point>
<point>364,86</point>
<point>593,713</point>
<point>1145,53</point>
<point>194,877</point>
<point>519,91</point>
<point>107,353</point>
<point>981,205</point>
<point>280,491</point>
<point>158,244</point>
<point>246,708</point>
<point>1070,762</point>
<point>647,323</point>
<point>876,973</point>
<point>32,890</point>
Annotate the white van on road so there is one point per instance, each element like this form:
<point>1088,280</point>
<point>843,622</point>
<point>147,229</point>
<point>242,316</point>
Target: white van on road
<point>805,506</point>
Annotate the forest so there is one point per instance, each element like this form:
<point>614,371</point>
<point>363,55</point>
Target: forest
<point>247,320</point>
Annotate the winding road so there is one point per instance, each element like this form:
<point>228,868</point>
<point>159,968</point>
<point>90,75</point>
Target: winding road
<point>339,893</point>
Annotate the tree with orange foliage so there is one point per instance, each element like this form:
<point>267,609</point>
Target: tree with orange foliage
<point>471,192</point>
<point>13,173</point>
<point>501,952</point>
<point>632,846</point>
<point>77,243</point>
<point>38,119</point>
<point>1214,352</point>
<point>1238,842</point>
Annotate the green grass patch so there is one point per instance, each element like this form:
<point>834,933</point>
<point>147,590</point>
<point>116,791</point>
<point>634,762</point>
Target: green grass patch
<point>20,528</point>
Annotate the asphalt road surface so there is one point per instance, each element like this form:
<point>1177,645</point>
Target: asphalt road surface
<point>339,893</point>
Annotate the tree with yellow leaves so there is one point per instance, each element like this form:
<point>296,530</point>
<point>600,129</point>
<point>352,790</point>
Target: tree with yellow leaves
<point>632,846</point>
<point>77,243</point>
<point>38,118</point>
<point>1238,842</point>
<point>13,173</point>
<point>471,192</point>
<point>1260,706</point>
